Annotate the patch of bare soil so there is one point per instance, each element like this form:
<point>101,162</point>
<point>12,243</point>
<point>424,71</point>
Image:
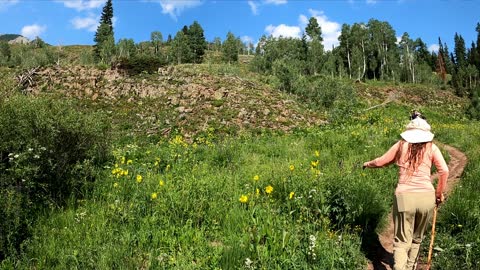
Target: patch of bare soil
<point>381,251</point>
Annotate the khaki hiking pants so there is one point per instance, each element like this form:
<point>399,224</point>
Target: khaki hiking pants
<point>411,215</point>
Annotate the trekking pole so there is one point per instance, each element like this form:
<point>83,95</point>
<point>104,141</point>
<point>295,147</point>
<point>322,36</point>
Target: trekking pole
<point>429,259</point>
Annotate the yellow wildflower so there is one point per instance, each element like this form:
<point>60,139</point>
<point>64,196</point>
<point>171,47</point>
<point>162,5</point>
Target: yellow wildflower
<point>243,199</point>
<point>115,185</point>
<point>123,160</point>
<point>256,178</point>
<point>153,196</point>
<point>257,192</point>
<point>291,167</point>
<point>269,189</point>
<point>290,196</point>
<point>161,183</point>
<point>129,162</point>
<point>314,164</point>
<point>139,178</point>
<point>317,153</point>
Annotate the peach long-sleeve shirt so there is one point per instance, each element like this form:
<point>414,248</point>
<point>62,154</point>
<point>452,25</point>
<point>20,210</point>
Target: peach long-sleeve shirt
<point>418,180</point>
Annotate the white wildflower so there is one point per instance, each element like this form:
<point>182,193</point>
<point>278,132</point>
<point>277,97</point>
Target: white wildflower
<point>248,263</point>
<point>311,246</point>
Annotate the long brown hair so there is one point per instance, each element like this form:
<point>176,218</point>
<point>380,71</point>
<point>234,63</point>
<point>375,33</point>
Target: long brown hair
<point>415,154</point>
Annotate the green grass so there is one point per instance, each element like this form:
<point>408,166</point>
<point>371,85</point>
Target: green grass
<point>252,199</point>
<point>197,221</point>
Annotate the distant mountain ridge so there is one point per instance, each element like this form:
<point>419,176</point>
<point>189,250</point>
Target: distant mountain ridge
<point>14,39</point>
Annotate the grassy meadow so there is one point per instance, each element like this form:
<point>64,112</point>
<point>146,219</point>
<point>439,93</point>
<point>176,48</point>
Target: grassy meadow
<point>250,199</point>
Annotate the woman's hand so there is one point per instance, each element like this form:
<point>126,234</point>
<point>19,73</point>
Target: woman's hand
<point>365,165</point>
<point>439,198</point>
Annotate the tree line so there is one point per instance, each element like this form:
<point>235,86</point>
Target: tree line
<point>366,51</point>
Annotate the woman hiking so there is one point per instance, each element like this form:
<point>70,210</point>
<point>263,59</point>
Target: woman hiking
<point>415,195</point>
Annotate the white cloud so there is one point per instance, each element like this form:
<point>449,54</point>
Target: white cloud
<point>433,48</point>
<point>253,7</point>
<point>399,39</point>
<point>330,29</point>
<point>275,2</point>
<point>80,5</point>
<point>175,7</point>
<point>283,30</point>
<point>33,31</point>
<point>246,39</point>
<point>90,23</point>
<point>4,4</point>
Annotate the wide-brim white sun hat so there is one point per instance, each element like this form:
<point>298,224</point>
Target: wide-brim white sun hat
<point>417,131</point>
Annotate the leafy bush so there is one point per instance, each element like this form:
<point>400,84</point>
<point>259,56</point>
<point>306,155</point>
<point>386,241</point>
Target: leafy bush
<point>355,203</point>
<point>140,63</point>
<point>48,152</point>
<point>27,57</point>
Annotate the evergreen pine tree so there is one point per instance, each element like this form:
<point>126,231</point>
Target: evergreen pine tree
<point>477,61</point>
<point>103,48</point>
<point>197,42</point>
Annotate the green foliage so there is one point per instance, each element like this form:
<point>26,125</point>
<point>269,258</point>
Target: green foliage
<point>49,152</point>
<point>125,48</point>
<point>474,109</point>
<point>156,38</point>
<point>38,43</point>
<point>230,49</point>
<point>104,38</point>
<point>180,49</point>
<point>104,49</point>
<point>8,83</point>
<point>271,49</point>
<point>140,63</point>
<point>25,56</point>
<point>354,202</point>
<point>313,29</point>
<point>8,37</point>
<point>86,57</point>
<point>457,239</point>
<point>196,42</point>
<point>5,53</point>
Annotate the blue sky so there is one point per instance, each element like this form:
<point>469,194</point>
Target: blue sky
<point>69,22</point>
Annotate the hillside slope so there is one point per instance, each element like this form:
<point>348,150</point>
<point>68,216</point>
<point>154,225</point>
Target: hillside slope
<point>188,97</point>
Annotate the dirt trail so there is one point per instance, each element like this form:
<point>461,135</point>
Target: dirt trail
<point>382,252</point>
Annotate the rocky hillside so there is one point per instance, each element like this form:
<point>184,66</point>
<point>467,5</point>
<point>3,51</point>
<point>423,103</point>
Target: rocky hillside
<point>14,39</point>
<point>188,97</point>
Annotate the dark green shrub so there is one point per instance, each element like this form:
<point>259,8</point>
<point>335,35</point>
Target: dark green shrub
<point>355,203</point>
<point>140,63</point>
<point>474,109</point>
<point>48,152</point>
